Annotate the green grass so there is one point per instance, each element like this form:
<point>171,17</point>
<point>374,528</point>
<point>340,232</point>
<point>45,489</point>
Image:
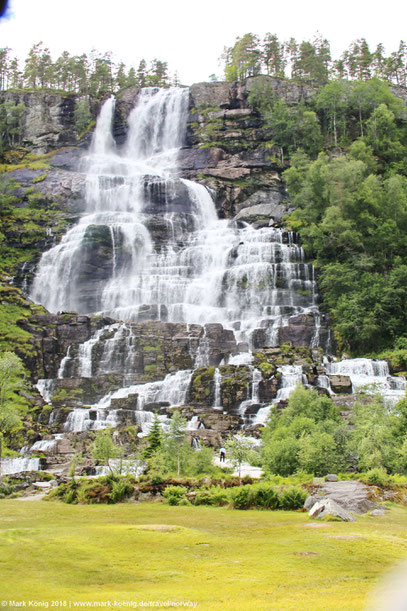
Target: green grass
<point>219,558</point>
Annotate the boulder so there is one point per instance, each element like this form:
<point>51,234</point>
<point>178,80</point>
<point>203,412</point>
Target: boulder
<point>310,501</point>
<point>351,495</point>
<point>254,214</point>
<point>331,477</point>
<point>327,507</point>
<point>42,485</point>
<point>341,384</point>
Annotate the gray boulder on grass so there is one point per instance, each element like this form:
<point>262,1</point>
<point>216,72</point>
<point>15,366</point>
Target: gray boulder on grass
<point>328,507</point>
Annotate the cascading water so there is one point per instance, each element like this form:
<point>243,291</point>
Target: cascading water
<point>9,466</point>
<point>291,376</point>
<point>149,245</point>
<point>201,270</point>
<point>371,376</point>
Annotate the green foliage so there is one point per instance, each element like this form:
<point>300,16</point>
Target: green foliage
<point>174,494</point>
<point>102,490</point>
<point>308,435</point>
<point>241,497</point>
<point>121,489</point>
<point>293,498</point>
<point>12,379</point>
<point>174,455</point>
<point>104,449</point>
<point>215,496</point>
<point>239,449</point>
<point>12,117</point>
<point>373,438</point>
<point>95,74</point>
<point>311,61</point>
<point>353,222</point>
<point>243,59</point>
<point>376,476</point>
<point>82,115</point>
<point>153,439</point>
<point>76,460</point>
<point>175,445</point>
<point>266,496</point>
<point>6,488</point>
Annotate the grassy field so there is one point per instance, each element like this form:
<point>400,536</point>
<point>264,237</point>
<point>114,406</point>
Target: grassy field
<point>215,557</point>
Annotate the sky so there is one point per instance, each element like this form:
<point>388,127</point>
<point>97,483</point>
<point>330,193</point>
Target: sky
<point>189,34</point>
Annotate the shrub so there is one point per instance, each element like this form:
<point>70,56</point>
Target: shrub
<point>241,497</point>
<point>203,497</point>
<point>6,489</point>
<point>376,476</point>
<point>266,496</point>
<point>183,502</point>
<point>215,495</point>
<point>70,496</point>
<point>155,480</point>
<point>174,494</point>
<point>90,492</point>
<point>293,498</point>
<point>218,496</point>
<point>120,490</point>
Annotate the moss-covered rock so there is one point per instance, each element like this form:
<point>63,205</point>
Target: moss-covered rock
<point>202,390</point>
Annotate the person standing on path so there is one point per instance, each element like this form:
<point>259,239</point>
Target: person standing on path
<point>222,454</point>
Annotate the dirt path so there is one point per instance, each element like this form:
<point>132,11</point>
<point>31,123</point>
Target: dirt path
<point>31,497</point>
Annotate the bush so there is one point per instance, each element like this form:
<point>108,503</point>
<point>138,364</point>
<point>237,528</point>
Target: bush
<point>376,476</point>
<point>90,492</point>
<point>6,489</point>
<point>266,496</point>
<point>174,494</point>
<point>214,496</point>
<point>120,490</point>
<point>241,497</point>
<point>155,480</point>
<point>203,497</point>
<point>183,502</point>
<point>293,498</point>
<point>70,497</point>
<point>218,496</point>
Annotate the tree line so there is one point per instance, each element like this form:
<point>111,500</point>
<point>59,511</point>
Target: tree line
<point>312,60</point>
<point>95,74</point>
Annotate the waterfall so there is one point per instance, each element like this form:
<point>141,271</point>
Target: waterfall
<point>85,362</point>
<point>172,390</point>
<point>9,466</point>
<point>150,245</point>
<point>45,445</point>
<point>371,376</point>
<point>291,376</point>
<point>91,420</point>
<point>62,368</point>
<point>217,380</point>
<point>46,388</point>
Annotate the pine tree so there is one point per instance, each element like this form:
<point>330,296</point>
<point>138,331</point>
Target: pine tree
<point>154,438</point>
<point>273,55</point>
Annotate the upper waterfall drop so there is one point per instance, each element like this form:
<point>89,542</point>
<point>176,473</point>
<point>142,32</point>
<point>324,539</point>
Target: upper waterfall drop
<point>151,246</point>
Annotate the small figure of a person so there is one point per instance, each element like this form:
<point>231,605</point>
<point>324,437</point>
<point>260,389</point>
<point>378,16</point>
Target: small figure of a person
<point>222,455</point>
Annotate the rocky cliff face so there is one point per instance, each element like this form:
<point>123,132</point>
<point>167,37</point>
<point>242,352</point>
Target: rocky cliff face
<point>94,371</point>
<point>83,360</point>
